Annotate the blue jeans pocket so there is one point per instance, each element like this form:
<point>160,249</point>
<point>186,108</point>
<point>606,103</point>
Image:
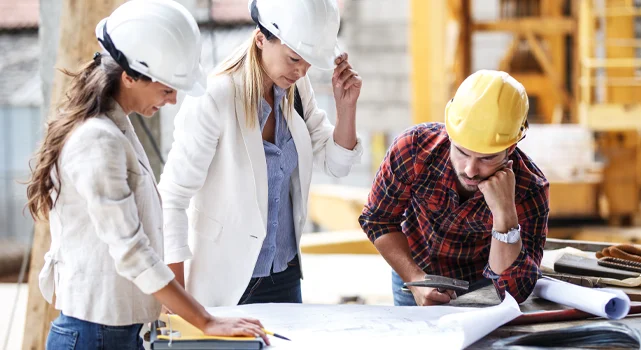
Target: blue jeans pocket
<point>293,262</point>
<point>61,339</point>
<point>122,337</point>
<point>251,288</point>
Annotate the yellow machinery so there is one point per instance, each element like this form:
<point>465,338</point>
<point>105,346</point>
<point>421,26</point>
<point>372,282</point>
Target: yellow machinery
<point>580,61</point>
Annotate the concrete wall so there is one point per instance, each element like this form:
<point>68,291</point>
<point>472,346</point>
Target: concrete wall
<point>49,36</point>
<point>377,33</point>
<point>377,39</point>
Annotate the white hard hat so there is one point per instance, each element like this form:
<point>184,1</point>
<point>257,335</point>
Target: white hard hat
<point>157,38</point>
<point>309,27</point>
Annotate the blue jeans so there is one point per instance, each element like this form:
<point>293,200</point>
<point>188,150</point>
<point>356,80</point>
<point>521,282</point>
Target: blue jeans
<point>281,287</point>
<point>69,333</point>
<point>407,299</point>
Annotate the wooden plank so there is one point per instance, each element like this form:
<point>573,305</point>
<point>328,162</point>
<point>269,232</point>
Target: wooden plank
<point>336,208</point>
<point>533,83</point>
<point>378,149</point>
<point>573,61</point>
<point>625,58</point>
<point>587,246</point>
<point>553,9</point>
<point>536,25</point>
<point>39,312</point>
<point>585,49</point>
<point>608,237</point>
<point>620,173</point>
<point>538,85</point>
<point>556,43</point>
<point>506,60</point>
<point>548,68</point>
<point>574,199</point>
<point>77,45</point>
<point>337,242</point>
<point>613,63</point>
<point>632,81</point>
<point>604,117</point>
<point>623,11</point>
<point>463,59</point>
<point>622,42</point>
<point>430,82</point>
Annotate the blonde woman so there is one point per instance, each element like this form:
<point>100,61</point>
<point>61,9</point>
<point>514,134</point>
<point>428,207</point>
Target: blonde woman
<point>241,162</point>
<point>93,181</point>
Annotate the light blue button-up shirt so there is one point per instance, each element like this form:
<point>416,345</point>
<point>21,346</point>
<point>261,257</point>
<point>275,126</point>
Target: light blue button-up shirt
<point>279,246</point>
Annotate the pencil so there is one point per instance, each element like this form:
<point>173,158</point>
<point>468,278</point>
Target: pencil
<point>276,335</point>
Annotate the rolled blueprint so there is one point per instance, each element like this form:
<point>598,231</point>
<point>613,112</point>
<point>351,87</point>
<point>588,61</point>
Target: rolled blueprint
<point>610,303</point>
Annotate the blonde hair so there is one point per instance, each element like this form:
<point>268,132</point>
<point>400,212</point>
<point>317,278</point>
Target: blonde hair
<point>247,59</point>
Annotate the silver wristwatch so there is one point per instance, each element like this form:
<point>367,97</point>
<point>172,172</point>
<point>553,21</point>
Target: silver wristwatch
<point>512,235</point>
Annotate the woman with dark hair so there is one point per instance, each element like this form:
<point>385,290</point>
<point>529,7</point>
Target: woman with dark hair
<point>93,181</point>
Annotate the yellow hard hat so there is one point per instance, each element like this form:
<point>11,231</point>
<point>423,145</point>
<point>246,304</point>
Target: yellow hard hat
<point>488,113</point>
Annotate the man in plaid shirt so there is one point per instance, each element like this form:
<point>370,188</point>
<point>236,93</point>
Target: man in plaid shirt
<point>460,199</point>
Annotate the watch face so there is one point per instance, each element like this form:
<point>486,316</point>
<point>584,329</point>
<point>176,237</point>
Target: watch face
<point>513,235</point>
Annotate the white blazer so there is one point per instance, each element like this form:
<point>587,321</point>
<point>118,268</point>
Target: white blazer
<point>216,174</point>
<point>106,228</point>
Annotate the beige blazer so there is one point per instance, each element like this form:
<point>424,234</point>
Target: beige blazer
<point>106,228</point>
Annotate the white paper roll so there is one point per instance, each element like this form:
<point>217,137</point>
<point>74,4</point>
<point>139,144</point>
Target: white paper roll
<point>610,303</point>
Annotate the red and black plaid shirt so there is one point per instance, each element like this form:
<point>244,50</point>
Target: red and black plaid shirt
<point>414,192</point>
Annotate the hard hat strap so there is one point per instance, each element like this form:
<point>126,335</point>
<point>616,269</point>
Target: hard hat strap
<point>117,55</point>
<point>524,129</point>
<point>254,16</point>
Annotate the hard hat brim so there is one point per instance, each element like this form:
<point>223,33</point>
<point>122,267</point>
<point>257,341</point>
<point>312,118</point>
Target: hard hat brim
<point>326,63</point>
<point>99,30</point>
<point>322,63</point>
<point>198,86</point>
<point>200,82</point>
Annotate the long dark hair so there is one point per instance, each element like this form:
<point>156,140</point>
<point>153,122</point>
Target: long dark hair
<point>90,94</point>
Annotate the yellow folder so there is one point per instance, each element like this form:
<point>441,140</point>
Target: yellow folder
<point>189,332</point>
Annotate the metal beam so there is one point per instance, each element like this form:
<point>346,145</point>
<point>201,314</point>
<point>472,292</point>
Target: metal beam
<point>522,25</point>
<point>430,76</point>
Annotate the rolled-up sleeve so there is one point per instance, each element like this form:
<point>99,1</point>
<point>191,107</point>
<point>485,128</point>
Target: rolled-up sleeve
<point>196,136</point>
<point>334,159</point>
<point>95,162</point>
<point>391,191</point>
<point>520,278</point>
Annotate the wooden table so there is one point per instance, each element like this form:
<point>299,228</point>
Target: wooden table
<point>487,297</point>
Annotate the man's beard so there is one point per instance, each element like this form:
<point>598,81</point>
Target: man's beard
<point>466,187</point>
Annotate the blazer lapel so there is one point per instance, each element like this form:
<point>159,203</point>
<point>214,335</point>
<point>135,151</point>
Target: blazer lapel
<point>302,140</point>
<point>140,154</point>
<point>254,144</point>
